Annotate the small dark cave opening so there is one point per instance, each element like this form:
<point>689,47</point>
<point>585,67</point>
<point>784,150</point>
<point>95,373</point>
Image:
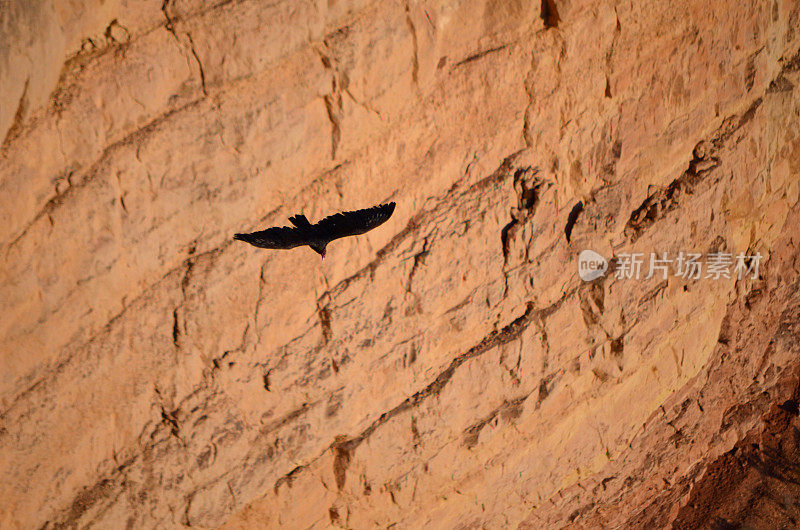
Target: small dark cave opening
<point>549,14</point>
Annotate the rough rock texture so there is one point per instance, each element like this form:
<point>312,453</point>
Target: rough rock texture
<point>448,369</point>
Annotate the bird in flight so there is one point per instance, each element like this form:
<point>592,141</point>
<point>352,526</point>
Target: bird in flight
<point>317,236</point>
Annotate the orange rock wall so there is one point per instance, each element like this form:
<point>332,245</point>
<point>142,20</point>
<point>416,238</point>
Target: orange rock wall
<point>448,369</point>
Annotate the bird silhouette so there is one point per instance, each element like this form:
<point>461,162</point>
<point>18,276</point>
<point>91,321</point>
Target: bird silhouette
<point>317,236</point>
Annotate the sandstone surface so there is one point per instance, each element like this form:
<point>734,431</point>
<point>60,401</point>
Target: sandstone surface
<point>448,369</point>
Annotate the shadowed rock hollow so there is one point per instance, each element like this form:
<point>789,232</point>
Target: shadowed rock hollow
<point>448,369</point>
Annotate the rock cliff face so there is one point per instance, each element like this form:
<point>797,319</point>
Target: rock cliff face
<point>449,369</point>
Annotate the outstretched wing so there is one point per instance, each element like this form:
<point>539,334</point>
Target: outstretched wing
<point>353,223</point>
<point>276,237</point>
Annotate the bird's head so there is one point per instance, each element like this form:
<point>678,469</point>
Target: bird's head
<point>318,248</point>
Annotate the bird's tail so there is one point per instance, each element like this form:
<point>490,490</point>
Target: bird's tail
<point>299,220</point>
<point>248,238</point>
